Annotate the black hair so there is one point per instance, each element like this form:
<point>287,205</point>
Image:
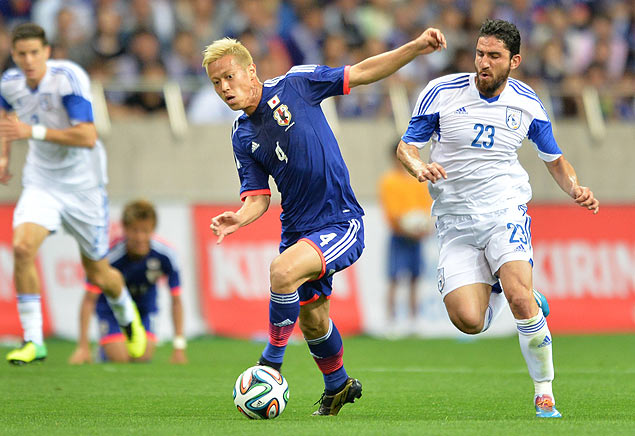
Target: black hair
<point>504,31</point>
<point>29,31</point>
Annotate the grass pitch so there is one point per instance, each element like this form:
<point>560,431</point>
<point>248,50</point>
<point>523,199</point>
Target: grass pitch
<point>411,387</point>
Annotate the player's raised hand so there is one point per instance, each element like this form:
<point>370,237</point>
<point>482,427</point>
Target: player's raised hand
<point>431,40</point>
<point>225,224</point>
<point>585,198</point>
<point>430,172</point>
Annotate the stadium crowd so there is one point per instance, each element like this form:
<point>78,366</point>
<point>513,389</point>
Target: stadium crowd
<point>567,44</point>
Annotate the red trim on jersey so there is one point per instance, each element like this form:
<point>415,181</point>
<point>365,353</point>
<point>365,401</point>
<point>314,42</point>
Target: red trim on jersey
<point>313,298</point>
<point>175,291</point>
<point>255,192</point>
<point>312,244</point>
<point>92,288</point>
<point>347,71</point>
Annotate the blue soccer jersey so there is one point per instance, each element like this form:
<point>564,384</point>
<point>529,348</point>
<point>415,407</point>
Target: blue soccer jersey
<point>141,275</point>
<point>288,138</point>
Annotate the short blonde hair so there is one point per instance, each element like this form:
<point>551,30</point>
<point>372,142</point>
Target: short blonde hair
<point>224,47</point>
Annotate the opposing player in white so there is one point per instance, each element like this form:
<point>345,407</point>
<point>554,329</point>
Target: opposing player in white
<point>476,123</point>
<point>48,102</point>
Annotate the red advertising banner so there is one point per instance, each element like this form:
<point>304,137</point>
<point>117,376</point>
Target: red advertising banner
<point>585,265</point>
<point>234,277</point>
<point>9,319</point>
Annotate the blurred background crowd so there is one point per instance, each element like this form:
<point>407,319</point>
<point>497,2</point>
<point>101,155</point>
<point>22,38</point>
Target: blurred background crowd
<point>139,44</point>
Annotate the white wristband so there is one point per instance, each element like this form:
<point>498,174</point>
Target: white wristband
<point>179,343</point>
<point>38,131</point>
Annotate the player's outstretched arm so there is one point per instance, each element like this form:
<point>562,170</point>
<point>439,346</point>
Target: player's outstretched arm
<point>179,343</point>
<point>228,222</point>
<point>82,353</point>
<point>383,65</point>
<point>409,157</point>
<point>5,154</point>
<point>564,175</point>
<point>80,135</point>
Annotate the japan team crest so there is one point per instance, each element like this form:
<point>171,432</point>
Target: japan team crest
<point>282,115</point>
<point>440,279</point>
<point>513,118</point>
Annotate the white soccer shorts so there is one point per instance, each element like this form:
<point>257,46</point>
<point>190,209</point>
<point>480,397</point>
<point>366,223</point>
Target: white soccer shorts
<point>84,214</point>
<point>472,248</point>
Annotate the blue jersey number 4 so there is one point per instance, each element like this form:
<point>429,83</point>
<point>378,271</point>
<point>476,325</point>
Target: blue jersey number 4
<point>489,131</point>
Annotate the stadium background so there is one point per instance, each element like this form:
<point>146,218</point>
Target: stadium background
<point>167,138</point>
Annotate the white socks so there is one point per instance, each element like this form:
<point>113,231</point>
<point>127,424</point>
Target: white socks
<point>122,307</point>
<point>535,344</point>
<point>497,302</point>
<point>30,310</point>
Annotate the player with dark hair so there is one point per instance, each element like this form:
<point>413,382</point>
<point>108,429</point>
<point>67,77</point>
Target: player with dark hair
<point>283,133</point>
<point>143,259</point>
<point>48,103</point>
<point>476,123</point>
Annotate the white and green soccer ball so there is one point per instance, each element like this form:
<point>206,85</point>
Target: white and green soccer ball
<point>261,392</point>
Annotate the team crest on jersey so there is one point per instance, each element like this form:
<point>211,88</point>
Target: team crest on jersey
<point>440,279</point>
<point>513,118</point>
<point>46,101</point>
<point>154,270</point>
<point>282,115</point>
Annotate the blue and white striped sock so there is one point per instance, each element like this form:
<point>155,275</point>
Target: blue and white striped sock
<point>535,343</point>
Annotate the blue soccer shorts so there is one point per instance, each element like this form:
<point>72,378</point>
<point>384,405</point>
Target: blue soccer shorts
<point>339,246</point>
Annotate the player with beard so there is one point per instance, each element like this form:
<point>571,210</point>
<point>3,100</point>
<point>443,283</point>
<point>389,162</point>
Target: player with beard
<point>475,124</point>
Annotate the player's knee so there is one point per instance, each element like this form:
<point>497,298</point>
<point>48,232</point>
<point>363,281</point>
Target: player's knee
<point>468,322</point>
<point>23,252</point>
<point>96,277</point>
<point>522,303</point>
<point>281,276</point>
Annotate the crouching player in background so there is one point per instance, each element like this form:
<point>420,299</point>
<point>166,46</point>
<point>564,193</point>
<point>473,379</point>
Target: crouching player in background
<point>143,260</point>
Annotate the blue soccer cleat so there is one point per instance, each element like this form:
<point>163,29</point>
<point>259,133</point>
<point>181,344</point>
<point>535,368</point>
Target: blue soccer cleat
<point>542,303</point>
<point>545,407</point>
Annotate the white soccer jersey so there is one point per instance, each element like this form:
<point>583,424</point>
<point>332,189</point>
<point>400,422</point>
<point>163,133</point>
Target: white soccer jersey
<point>61,100</point>
<point>476,140</point>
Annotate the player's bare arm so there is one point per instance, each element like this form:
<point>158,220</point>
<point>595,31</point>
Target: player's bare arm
<point>383,65</point>
<point>80,135</point>
<point>179,343</point>
<point>5,154</point>
<point>565,176</point>
<point>228,222</point>
<point>409,157</point>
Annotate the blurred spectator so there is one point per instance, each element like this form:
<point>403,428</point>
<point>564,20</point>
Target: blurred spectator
<point>5,50</point>
<point>565,42</point>
<point>150,101</point>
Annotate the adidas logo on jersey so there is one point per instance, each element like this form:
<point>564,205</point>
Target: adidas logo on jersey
<point>520,248</point>
<point>254,146</point>
<point>461,111</point>
<point>545,342</point>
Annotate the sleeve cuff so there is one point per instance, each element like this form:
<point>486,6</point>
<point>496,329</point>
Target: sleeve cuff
<point>246,194</point>
<point>347,70</point>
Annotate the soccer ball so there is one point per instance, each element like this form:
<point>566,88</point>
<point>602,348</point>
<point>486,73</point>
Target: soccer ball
<point>261,393</point>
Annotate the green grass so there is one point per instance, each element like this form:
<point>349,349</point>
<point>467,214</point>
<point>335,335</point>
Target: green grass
<point>411,387</point>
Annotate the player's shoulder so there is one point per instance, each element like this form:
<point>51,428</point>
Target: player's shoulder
<point>450,79</point>
<point>525,96</point>
<point>441,90</point>
<point>12,79</point>
<point>297,71</point>
<point>239,126</point>
<point>117,250</point>
<point>163,248</point>
<point>12,74</point>
<point>66,68</point>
